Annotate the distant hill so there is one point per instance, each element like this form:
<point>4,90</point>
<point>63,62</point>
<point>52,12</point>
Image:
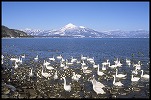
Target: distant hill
<point>6,32</point>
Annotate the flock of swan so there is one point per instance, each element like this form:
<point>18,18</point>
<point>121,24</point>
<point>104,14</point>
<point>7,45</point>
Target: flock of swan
<point>84,63</point>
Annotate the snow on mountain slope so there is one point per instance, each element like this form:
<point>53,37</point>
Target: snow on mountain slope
<point>72,30</point>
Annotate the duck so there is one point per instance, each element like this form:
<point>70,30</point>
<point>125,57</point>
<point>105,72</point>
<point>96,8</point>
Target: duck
<point>144,75</point>
<point>66,87</point>
<point>117,83</point>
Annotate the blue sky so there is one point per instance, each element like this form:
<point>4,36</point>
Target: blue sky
<point>101,16</point>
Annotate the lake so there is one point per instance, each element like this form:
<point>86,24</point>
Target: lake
<point>135,49</point>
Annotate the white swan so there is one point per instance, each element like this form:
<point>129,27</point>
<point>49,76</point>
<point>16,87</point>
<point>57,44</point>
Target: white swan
<point>91,60</point>
<point>98,90</point>
<point>94,65</point>
<point>96,83</point>
<point>97,87</point>
<point>73,60</point>
<point>137,66</point>
<point>119,64</point>
<point>13,59</point>
<point>83,63</point>
<point>55,76</point>
<point>128,61</point>
<point>62,60</point>
<point>65,67</point>
<point>20,60</point>
<point>99,72</point>
<point>31,72</point>
<point>36,58</point>
<point>134,79</point>
<point>76,76</point>
<point>66,87</point>
<point>116,61</point>
<point>68,63</point>
<point>135,72</point>
<point>59,57</point>
<point>23,56</point>
<point>61,64</point>
<point>52,59</point>
<point>86,71</point>
<point>103,67</point>
<point>46,63</point>
<point>105,63</point>
<point>49,67</point>
<point>145,75</point>
<point>2,59</point>
<point>117,83</point>
<point>83,58</point>
<point>16,65</point>
<point>112,66</point>
<point>46,75</point>
<point>119,75</point>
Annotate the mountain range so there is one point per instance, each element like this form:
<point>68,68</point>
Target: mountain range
<point>71,30</point>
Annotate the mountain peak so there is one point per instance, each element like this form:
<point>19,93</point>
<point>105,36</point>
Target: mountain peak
<point>81,26</point>
<point>70,25</point>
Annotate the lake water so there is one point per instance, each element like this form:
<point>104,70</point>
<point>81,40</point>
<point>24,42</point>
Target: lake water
<point>135,49</point>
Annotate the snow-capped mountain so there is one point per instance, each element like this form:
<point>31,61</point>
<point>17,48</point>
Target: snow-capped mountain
<point>78,31</point>
<point>71,30</point>
<point>128,34</point>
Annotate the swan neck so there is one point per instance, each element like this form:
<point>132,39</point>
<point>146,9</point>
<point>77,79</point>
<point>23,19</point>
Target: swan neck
<point>142,73</point>
<point>98,68</point>
<point>64,81</point>
<point>114,80</point>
